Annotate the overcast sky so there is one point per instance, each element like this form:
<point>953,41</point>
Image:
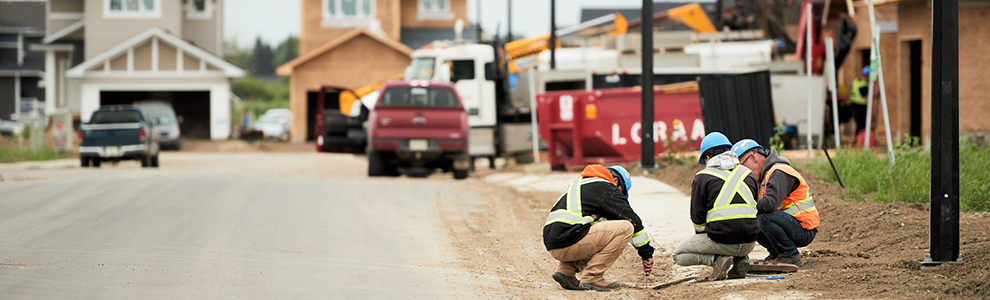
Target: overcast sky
<point>276,20</point>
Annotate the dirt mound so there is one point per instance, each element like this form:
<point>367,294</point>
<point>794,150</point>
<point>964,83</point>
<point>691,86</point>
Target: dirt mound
<point>873,250</point>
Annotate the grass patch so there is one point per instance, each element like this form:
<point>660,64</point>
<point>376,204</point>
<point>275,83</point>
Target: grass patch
<point>869,176</point>
<point>10,152</point>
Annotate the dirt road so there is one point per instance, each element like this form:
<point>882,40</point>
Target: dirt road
<point>864,251</point>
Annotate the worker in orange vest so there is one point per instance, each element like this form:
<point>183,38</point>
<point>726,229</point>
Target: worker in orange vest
<point>786,213</point>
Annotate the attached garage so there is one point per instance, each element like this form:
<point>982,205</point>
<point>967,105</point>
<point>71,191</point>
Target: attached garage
<point>192,106</point>
<point>156,65</point>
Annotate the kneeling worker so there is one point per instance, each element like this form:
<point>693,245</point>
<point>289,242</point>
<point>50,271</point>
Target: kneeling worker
<point>588,227</point>
<point>786,213</point>
<point>723,210</point>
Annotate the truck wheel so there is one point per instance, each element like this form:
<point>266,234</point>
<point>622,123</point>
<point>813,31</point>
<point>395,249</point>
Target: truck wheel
<point>95,162</point>
<point>376,164</point>
<point>460,174</point>
<point>154,161</point>
<point>84,162</point>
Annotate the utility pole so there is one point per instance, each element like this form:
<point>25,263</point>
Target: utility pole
<point>508,37</point>
<point>553,34</point>
<point>944,219</point>
<point>647,161</point>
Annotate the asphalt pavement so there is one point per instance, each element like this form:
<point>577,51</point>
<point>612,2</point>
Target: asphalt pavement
<point>225,225</point>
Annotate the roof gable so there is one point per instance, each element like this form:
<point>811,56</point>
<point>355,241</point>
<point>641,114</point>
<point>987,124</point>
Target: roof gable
<point>155,35</point>
<point>287,68</point>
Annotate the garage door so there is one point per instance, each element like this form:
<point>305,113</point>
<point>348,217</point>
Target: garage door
<point>192,106</point>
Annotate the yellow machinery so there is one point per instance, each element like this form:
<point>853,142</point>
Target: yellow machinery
<point>534,45</point>
<point>349,97</point>
<point>691,15</point>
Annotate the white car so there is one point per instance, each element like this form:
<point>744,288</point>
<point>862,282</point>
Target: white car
<point>275,124</point>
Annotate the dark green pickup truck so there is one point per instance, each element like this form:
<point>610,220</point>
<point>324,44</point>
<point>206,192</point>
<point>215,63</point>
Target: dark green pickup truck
<point>118,132</point>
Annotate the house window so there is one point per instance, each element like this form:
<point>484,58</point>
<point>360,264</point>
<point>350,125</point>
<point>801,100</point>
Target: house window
<point>132,8</point>
<point>350,13</point>
<point>333,9</point>
<point>434,5</point>
<point>434,10</point>
<point>199,9</point>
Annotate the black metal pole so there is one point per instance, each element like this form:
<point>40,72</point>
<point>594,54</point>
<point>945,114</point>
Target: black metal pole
<point>553,34</point>
<point>834,170</point>
<point>508,37</point>
<point>647,161</point>
<point>944,217</point>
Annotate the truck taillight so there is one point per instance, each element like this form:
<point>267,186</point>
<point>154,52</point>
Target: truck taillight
<point>464,122</point>
<point>142,135</point>
<point>372,120</point>
<point>79,136</point>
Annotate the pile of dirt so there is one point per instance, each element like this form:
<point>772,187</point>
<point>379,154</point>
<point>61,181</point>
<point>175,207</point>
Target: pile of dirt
<point>871,249</point>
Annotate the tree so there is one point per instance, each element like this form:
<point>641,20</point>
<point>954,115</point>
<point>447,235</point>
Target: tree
<point>262,59</point>
<point>287,50</point>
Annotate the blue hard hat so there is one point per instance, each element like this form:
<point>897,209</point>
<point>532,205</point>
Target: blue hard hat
<point>866,70</point>
<point>713,139</point>
<point>742,146</point>
<point>624,178</point>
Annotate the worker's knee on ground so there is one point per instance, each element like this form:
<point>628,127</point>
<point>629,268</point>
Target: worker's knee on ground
<point>681,259</point>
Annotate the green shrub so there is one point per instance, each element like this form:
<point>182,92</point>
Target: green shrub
<point>869,176</point>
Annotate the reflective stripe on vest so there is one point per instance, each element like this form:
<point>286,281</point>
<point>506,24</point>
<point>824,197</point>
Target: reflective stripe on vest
<point>854,95</point>
<point>734,183</point>
<point>797,203</point>
<point>640,238</point>
<point>572,213</point>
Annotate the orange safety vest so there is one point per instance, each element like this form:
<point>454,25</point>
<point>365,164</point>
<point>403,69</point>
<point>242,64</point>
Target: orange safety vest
<point>798,203</point>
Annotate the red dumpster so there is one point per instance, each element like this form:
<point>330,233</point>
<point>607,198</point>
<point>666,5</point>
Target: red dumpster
<point>603,126</point>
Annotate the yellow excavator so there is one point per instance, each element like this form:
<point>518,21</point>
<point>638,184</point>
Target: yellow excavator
<point>691,15</point>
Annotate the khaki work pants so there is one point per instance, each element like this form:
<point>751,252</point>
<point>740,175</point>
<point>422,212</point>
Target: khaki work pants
<point>699,249</point>
<point>596,252</point>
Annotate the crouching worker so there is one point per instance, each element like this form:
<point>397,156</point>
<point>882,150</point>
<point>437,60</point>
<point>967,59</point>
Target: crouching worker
<point>723,210</point>
<point>589,226</point>
<point>787,215</point>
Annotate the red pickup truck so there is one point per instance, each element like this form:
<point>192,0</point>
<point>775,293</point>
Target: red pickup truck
<point>418,124</point>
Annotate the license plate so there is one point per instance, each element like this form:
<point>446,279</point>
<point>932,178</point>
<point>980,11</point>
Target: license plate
<point>111,151</point>
<point>418,145</point>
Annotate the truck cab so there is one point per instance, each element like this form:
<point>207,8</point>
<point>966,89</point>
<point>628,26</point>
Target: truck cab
<point>471,70</point>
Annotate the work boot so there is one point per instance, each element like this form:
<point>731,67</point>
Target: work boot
<point>601,285</point>
<point>567,282</point>
<point>793,259</point>
<point>740,265</point>
<point>720,267</point>
<point>768,259</point>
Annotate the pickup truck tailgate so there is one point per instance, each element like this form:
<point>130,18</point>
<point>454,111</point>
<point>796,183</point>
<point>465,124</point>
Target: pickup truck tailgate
<point>111,134</point>
<point>420,123</point>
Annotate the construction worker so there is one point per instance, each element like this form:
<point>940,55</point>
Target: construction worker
<point>787,215</point>
<point>857,95</point>
<point>589,225</point>
<point>723,210</point>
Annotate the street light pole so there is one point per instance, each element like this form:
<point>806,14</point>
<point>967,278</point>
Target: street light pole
<point>647,161</point>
